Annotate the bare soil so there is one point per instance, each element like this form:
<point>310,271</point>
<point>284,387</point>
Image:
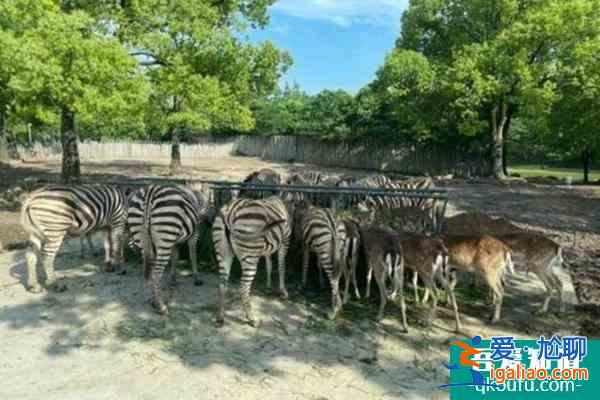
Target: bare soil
<point>100,340</point>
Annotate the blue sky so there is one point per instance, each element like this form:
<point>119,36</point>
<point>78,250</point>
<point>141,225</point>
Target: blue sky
<point>336,44</point>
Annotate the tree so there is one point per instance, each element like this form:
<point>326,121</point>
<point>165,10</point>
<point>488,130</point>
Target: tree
<point>576,114</point>
<point>69,62</point>
<point>499,57</point>
<point>203,77</point>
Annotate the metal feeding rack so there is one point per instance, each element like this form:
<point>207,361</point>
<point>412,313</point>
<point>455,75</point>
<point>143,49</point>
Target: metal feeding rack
<point>337,198</point>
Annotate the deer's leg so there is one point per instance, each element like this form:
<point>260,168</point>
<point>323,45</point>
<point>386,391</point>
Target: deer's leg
<point>559,287</point>
<point>380,279</point>
<point>495,283</point>
<point>369,276</point>
<point>450,290</point>
<point>549,285</point>
<point>415,279</point>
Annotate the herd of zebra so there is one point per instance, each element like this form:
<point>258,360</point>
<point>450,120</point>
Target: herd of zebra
<point>157,218</point>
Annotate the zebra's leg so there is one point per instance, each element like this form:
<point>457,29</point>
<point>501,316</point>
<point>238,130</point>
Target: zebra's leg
<point>33,255</point>
<point>269,268</point>
<point>193,250</point>
<point>248,273</point>
<point>108,265</point>
<point>346,273</point>
<point>172,275</point>
<point>305,261</point>
<point>224,254</point>
<point>117,241</point>
<point>90,244</point>
<point>336,301</point>
<point>82,247</point>
<point>49,251</point>
<point>354,262</point>
<point>281,254</point>
<point>157,273</point>
<point>321,277</point>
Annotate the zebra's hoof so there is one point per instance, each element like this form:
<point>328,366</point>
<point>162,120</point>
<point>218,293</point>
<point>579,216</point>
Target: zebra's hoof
<point>161,308</point>
<point>284,295</point>
<point>198,281</point>
<point>121,271</point>
<point>108,267</point>
<point>254,322</point>
<point>331,315</point>
<point>220,322</point>
<point>58,287</point>
<point>35,288</point>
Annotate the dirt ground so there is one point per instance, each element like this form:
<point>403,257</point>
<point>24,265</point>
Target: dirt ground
<point>99,340</point>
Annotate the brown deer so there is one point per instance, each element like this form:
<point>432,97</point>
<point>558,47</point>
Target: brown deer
<point>484,256</point>
<point>383,249</point>
<point>427,257</point>
<point>538,254</point>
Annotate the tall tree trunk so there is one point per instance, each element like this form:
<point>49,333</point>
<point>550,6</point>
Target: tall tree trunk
<point>175,152</point>
<point>587,161</point>
<point>498,125</point>
<point>505,149</point>
<point>2,121</point>
<point>71,170</point>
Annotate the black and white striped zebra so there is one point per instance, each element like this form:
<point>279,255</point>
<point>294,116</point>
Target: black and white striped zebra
<point>160,218</point>
<point>350,237</point>
<point>54,212</point>
<point>263,176</point>
<point>323,235</point>
<point>250,229</point>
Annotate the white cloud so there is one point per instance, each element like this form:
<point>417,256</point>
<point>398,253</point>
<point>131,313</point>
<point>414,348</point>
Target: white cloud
<point>345,12</point>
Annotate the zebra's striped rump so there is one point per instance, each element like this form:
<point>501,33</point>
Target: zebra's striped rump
<point>323,235</point>
<point>54,212</point>
<point>250,229</point>
<point>160,218</point>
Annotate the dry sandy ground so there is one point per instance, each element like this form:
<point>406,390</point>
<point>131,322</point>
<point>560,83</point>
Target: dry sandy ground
<point>99,340</point>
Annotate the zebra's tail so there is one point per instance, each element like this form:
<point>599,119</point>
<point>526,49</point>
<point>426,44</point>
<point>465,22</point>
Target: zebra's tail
<point>27,222</point>
<point>148,252</point>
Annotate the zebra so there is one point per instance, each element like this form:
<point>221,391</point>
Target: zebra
<point>249,229</point>
<point>160,218</point>
<point>350,253</point>
<point>54,212</point>
<point>264,176</point>
<point>323,235</point>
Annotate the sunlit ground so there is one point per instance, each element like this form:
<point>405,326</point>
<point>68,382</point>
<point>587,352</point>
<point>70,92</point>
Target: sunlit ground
<point>533,170</point>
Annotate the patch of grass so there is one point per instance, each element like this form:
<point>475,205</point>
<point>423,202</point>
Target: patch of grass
<point>529,170</point>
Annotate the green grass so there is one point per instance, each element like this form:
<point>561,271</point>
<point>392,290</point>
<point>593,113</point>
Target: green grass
<point>529,170</point>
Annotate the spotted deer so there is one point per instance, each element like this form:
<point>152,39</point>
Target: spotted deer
<point>428,257</point>
<point>385,260</point>
<point>538,254</point>
<point>481,255</point>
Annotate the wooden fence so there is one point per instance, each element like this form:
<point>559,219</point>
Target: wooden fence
<point>398,158</point>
